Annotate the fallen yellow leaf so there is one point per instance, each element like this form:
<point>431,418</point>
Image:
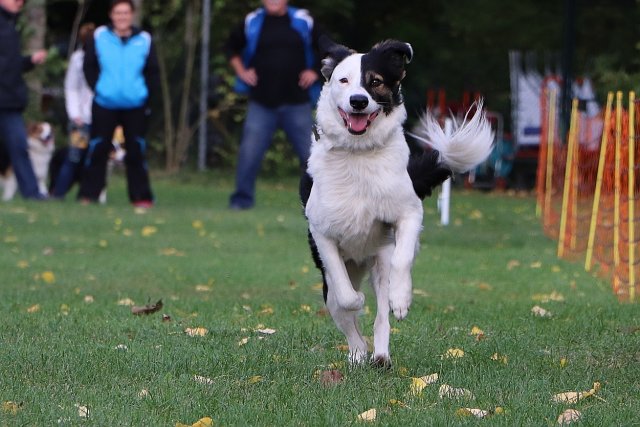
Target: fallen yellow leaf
<point>575,396</point>
<point>254,379</point>
<point>23,264</point>
<point>476,331</point>
<point>197,224</point>
<point>418,384</point>
<point>202,380</point>
<point>11,407</point>
<point>196,332</point>
<point>369,415</point>
<point>453,353</point>
<point>499,358</point>
<point>48,277</point>
<point>553,296</point>
<point>395,402</point>
<point>34,308</point>
<point>126,301</point>
<point>202,422</point>
<point>243,341</point>
<point>149,230</point>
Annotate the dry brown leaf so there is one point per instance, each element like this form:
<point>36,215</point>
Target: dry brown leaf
<point>569,416</point>
<point>331,377</point>
<point>575,396</point>
<point>10,407</point>
<point>369,415</point>
<point>147,309</point>
<point>83,411</point>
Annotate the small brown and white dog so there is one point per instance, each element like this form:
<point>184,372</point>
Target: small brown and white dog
<point>40,142</point>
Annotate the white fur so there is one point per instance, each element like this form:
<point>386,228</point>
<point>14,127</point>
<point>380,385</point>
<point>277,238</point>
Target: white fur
<point>468,146</point>
<point>363,212</point>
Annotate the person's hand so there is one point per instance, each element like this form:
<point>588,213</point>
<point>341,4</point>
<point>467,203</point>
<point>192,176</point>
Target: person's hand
<point>78,121</point>
<point>38,57</point>
<point>307,78</point>
<point>249,76</point>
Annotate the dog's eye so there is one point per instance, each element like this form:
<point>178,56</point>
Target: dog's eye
<point>375,82</point>
<point>344,80</point>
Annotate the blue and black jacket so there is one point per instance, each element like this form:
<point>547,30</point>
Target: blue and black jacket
<point>121,71</point>
<point>246,40</point>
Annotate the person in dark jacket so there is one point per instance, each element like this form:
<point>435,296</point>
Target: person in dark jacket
<point>121,66</point>
<point>14,98</point>
<point>273,53</point>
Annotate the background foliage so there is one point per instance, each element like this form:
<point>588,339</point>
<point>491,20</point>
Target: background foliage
<point>460,45</point>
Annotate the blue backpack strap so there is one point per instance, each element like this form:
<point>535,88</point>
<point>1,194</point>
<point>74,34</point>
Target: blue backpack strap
<point>252,26</point>
<point>302,22</point>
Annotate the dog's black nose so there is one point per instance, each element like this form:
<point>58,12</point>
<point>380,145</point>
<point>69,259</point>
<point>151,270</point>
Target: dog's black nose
<point>358,102</point>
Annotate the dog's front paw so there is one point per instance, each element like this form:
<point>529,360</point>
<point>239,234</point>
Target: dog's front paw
<point>381,361</point>
<point>353,301</point>
<point>399,302</point>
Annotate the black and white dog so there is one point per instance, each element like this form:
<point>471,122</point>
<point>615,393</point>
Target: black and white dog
<point>362,191</point>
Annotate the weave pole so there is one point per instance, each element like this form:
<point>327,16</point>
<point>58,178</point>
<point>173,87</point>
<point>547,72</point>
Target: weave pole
<point>631,195</point>
<point>551,131</point>
<point>567,177</point>
<point>588,264</point>
<point>616,187</point>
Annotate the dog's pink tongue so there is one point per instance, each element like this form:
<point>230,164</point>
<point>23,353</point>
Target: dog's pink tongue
<point>358,122</point>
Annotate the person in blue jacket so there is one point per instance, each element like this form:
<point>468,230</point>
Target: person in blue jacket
<point>14,98</point>
<point>273,53</point>
<point>121,66</point>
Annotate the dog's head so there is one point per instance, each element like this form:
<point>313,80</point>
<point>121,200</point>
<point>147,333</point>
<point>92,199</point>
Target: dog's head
<point>40,131</point>
<point>362,89</point>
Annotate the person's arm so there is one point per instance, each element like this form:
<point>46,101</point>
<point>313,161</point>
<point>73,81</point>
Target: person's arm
<point>72,86</point>
<point>90,66</point>
<point>151,70</point>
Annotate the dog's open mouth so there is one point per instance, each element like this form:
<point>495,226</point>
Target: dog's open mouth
<point>357,123</point>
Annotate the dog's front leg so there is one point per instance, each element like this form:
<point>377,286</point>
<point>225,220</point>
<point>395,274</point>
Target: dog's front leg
<point>381,326</point>
<point>407,235</point>
<point>336,272</point>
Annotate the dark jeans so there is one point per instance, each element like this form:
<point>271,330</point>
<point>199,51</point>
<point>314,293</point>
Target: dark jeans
<point>259,127</point>
<point>72,162</point>
<point>14,135</point>
<point>94,173</point>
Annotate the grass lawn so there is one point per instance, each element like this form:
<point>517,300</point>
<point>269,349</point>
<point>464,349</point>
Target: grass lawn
<point>68,342</point>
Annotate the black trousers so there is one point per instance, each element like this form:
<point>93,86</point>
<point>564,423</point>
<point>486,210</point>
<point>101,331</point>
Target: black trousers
<point>103,123</point>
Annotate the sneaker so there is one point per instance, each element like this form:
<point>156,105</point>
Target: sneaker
<point>144,204</point>
<point>237,207</point>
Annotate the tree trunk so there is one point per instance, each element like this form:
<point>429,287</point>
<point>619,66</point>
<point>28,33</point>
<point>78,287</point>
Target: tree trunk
<point>36,18</point>
<point>166,104</point>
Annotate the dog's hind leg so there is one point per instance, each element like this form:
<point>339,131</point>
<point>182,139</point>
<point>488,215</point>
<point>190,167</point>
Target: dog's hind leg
<point>381,328</point>
<point>347,320</point>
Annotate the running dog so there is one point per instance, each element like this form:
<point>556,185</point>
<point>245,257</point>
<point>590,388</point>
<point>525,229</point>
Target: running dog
<point>362,192</point>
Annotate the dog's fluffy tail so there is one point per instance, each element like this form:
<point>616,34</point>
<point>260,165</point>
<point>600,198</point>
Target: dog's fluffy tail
<point>469,144</point>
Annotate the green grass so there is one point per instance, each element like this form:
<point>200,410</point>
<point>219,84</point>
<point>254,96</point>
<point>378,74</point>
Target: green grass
<point>483,270</point>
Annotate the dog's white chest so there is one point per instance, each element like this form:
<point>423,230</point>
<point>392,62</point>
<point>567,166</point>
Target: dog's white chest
<point>356,199</point>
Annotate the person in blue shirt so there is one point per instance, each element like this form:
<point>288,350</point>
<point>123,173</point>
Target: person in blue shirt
<point>121,66</point>
<point>273,54</point>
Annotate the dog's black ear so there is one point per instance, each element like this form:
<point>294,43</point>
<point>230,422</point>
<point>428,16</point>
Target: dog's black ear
<point>333,53</point>
<point>397,53</point>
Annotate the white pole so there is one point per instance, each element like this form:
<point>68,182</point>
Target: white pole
<point>445,195</point>
<point>204,85</point>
